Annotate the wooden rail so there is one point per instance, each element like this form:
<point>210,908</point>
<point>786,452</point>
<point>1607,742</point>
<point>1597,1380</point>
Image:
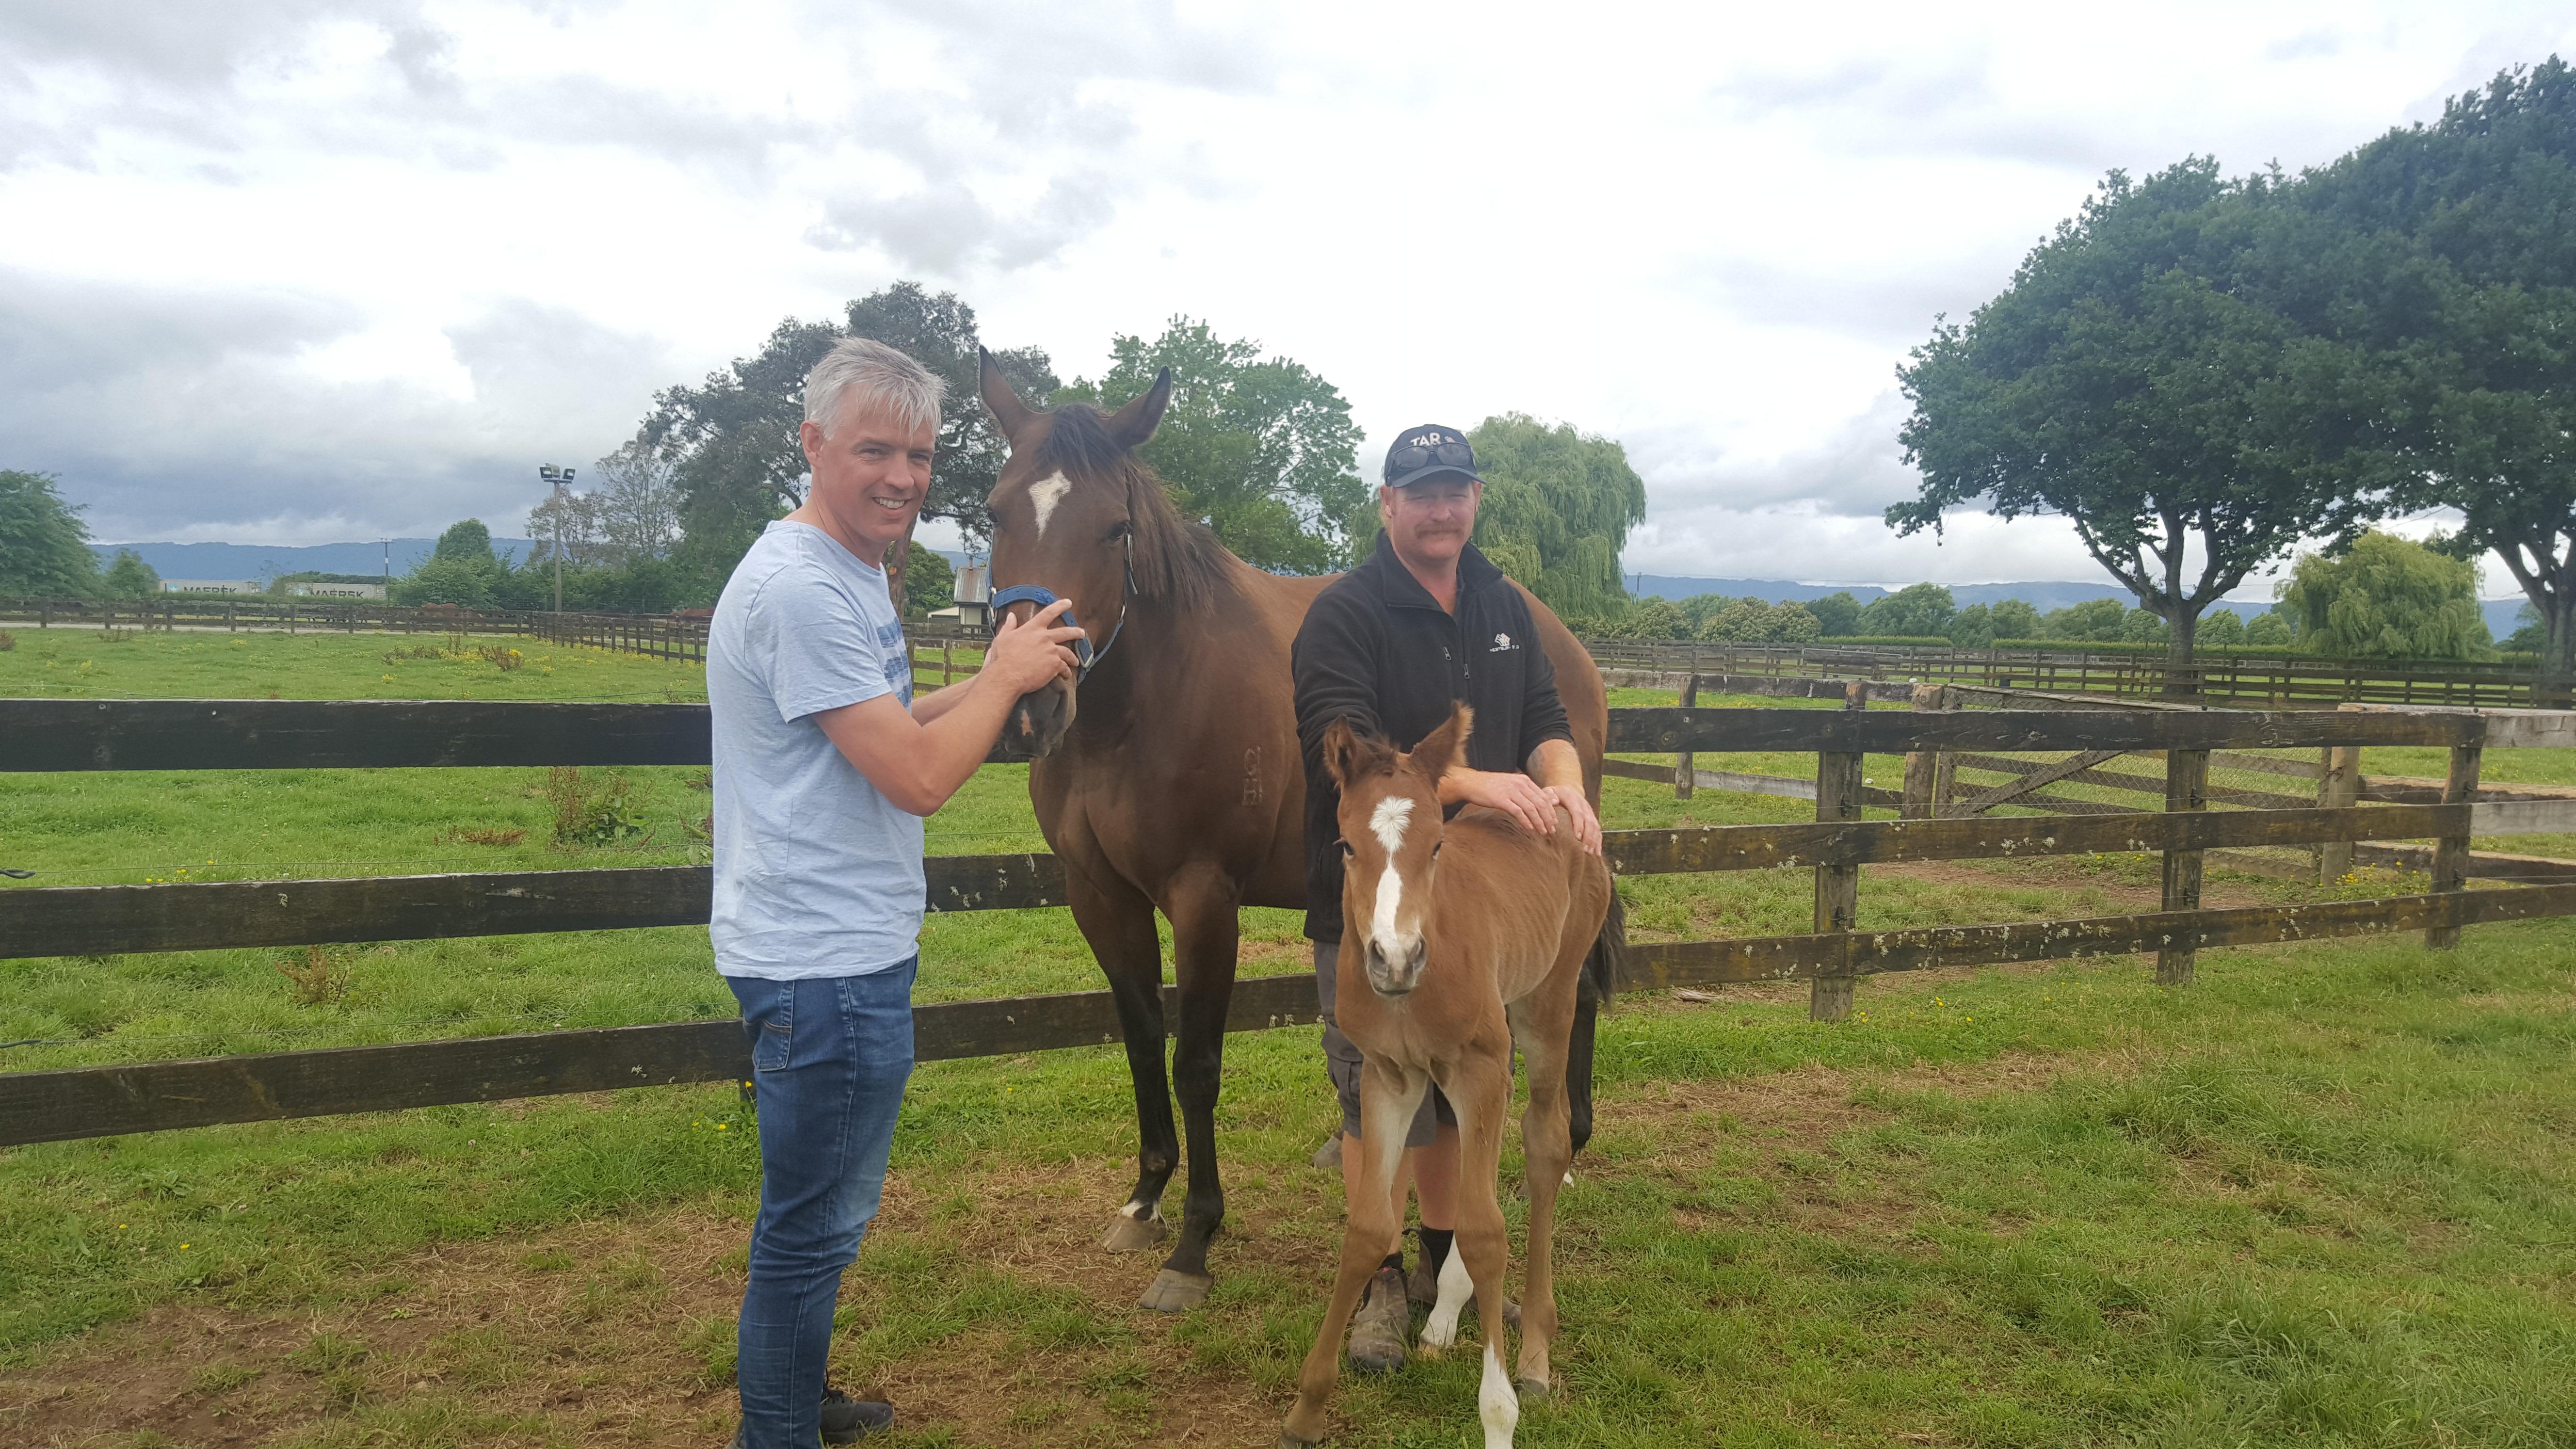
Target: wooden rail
<point>270,734</point>
<point>110,920</point>
<point>2278,682</point>
<point>185,734</point>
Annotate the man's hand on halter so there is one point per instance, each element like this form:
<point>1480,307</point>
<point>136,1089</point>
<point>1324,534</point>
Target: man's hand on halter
<point>1030,656</point>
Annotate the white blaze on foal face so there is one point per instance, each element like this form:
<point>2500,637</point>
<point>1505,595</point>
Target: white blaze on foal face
<point>1387,823</point>
<point>1395,946</point>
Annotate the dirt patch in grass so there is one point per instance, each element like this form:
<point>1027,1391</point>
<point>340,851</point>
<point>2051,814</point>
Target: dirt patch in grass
<point>621,1330</point>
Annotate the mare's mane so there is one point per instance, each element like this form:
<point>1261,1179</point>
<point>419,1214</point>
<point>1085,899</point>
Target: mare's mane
<point>1177,561</point>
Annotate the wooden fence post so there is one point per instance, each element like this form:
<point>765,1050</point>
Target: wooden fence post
<point>2451,852</point>
<point>2186,788</point>
<point>2339,788</point>
<point>1922,767</point>
<point>1686,764</point>
<point>1838,796</point>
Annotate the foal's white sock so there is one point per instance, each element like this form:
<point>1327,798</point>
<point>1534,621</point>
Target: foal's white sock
<point>1496,1404</point>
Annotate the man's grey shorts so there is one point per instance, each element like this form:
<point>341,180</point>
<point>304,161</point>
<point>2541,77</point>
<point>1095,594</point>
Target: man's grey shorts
<point>1342,1062</point>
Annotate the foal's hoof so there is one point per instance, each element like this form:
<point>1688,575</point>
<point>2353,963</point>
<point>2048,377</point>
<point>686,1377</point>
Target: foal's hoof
<point>1532,1388</point>
<point>1172,1292</point>
<point>1291,1441</point>
<point>1129,1235</point>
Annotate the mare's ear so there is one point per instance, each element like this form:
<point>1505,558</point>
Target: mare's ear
<point>1136,422</point>
<point>1339,745</point>
<point>1446,746</point>
<point>1008,411</point>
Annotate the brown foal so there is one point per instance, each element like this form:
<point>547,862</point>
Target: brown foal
<point>1459,941</point>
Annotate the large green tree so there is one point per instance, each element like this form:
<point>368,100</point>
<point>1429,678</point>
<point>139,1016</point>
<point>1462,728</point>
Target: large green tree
<point>2174,371</point>
<point>2387,597</point>
<point>1559,504</point>
<point>44,546</point>
<point>2485,197</point>
<point>732,445</point>
<point>129,577</point>
<point>1260,449</point>
<point>1915,611</point>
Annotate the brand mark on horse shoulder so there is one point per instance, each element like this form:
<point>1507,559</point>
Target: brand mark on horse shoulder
<point>1501,643</point>
<point>1252,775</point>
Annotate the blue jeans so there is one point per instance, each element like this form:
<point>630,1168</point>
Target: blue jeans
<point>830,1056</point>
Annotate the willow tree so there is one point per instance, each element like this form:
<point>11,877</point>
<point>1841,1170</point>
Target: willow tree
<point>2387,598</point>
<point>1558,507</point>
<point>2167,371</point>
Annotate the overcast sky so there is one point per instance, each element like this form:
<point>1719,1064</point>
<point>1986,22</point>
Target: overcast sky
<point>296,271</point>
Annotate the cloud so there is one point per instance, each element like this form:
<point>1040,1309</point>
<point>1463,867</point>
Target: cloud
<point>1855,471</point>
<point>172,412</point>
<point>947,230</point>
<point>1799,542</point>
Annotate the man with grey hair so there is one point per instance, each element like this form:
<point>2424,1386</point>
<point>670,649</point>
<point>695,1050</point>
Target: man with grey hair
<point>824,766</point>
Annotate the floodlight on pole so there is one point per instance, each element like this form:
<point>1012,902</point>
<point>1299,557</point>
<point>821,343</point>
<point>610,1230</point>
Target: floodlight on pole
<point>556,478</point>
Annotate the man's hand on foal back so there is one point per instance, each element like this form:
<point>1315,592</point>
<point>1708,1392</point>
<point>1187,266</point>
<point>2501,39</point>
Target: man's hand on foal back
<point>1525,800</point>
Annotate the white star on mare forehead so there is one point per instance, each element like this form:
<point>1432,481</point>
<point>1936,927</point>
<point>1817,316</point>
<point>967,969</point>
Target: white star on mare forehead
<point>1046,493</point>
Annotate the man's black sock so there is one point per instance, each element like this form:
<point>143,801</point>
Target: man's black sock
<point>1435,1250</point>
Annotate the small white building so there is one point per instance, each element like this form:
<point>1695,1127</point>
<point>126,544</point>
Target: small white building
<point>336,591</point>
<point>210,586</point>
<point>973,593</point>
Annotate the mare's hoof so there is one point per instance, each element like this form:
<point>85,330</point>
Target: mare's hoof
<point>1330,1154</point>
<point>1129,1235</point>
<point>1291,1441</point>
<point>1172,1292</point>
<point>1532,1388</point>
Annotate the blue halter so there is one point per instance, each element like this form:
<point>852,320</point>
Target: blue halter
<point>1084,656</point>
<point>1032,594</point>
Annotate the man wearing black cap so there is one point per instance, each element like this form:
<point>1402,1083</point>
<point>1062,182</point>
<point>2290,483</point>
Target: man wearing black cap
<point>1390,646</point>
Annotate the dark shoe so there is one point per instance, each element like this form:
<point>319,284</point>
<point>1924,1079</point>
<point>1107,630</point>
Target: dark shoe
<point>1378,1330</point>
<point>847,1420</point>
<point>1330,1154</point>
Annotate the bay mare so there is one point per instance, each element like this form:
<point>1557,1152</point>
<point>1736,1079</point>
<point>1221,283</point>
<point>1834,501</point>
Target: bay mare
<point>1459,942</point>
<point>1169,778</point>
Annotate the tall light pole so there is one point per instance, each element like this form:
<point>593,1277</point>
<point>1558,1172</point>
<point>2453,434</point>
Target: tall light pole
<point>556,478</point>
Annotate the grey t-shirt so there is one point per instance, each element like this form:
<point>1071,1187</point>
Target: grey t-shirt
<point>816,872</point>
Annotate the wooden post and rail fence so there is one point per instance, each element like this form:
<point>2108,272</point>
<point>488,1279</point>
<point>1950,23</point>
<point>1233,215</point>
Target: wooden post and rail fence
<point>2252,681</point>
<point>660,636</point>
<point>83,735</point>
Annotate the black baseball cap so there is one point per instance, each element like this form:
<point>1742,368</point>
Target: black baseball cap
<point>1428,451</point>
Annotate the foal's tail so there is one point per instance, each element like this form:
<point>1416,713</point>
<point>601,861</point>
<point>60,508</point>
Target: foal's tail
<point>1602,965</point>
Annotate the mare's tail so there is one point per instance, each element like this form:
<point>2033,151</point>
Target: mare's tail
<point>1601,967</point>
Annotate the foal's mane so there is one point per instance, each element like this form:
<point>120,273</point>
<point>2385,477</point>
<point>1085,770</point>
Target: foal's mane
<point>1370,755</point>
<point>1177,561</point>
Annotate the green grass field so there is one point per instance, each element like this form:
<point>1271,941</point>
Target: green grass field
<point>2323,1197</point>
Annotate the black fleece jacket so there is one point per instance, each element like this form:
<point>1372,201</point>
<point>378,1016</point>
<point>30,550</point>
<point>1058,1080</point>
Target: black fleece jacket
<point>1376,649</point>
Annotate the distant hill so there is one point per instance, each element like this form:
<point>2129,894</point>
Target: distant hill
<point>2043,596</point>
<point>264,561</point>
